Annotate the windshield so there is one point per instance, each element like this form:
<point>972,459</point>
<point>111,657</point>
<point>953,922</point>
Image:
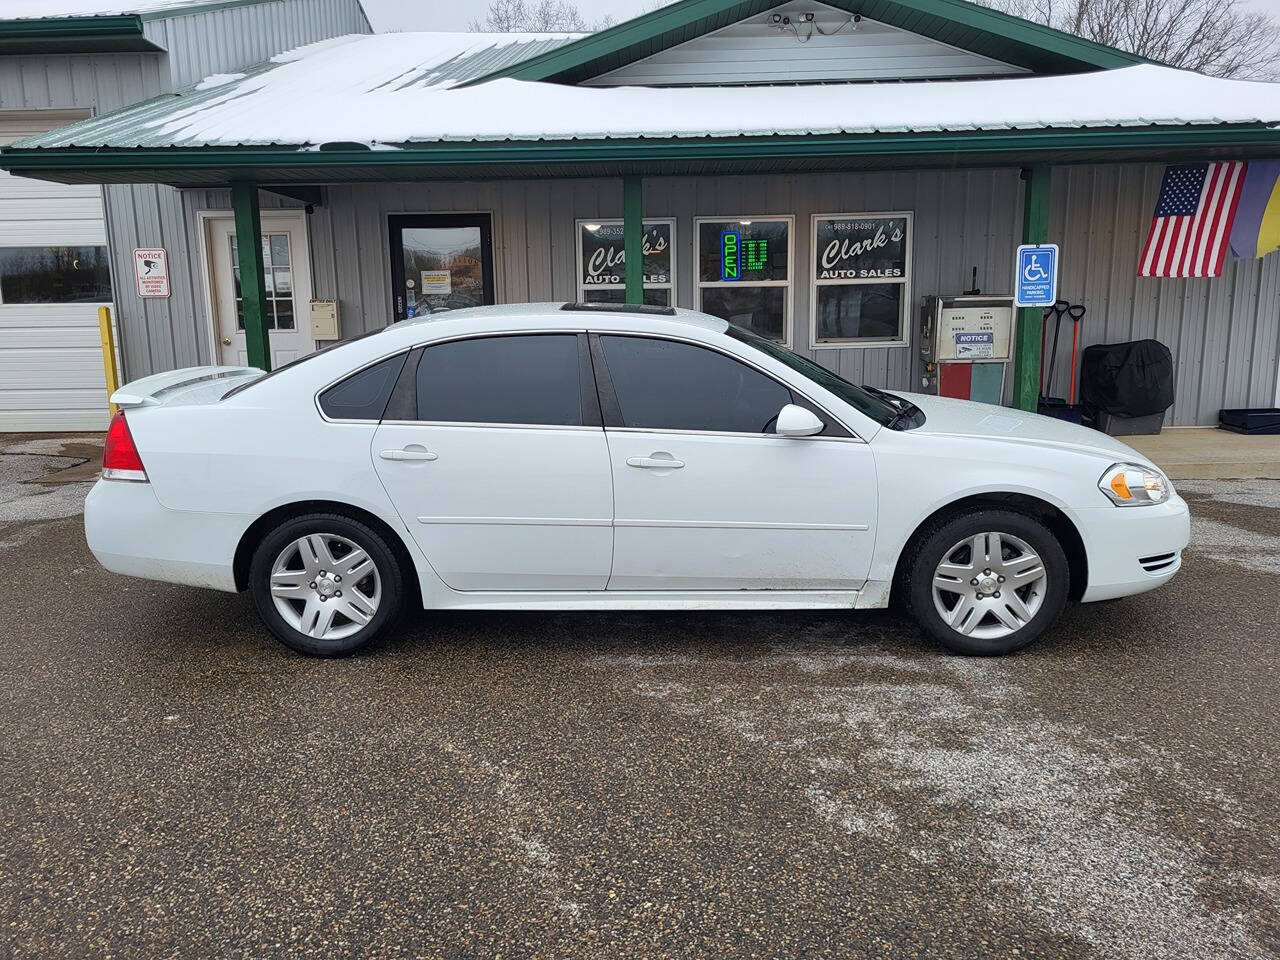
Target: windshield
<point>862,401</point>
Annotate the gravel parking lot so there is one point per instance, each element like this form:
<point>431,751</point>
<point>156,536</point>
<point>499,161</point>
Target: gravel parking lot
<point>173,783</point>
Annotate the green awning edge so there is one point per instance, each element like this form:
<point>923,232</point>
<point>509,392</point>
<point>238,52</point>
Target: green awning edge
<point>108,34</point>
<point>997,35</point>
<point>1158,144</point>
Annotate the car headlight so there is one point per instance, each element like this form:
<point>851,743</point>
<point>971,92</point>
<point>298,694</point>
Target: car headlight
<point>1132,485</point>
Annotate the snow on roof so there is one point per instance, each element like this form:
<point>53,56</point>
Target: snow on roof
<point>399,89</point>
<point>58,9</point>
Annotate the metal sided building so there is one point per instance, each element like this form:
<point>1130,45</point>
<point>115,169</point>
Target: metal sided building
<point>808,169</point>
<point>65,249</point>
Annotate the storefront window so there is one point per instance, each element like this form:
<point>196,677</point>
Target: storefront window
<point>861,271</point>
<point>744,273</point>
<point>54,275</point>
<point>602,262</point>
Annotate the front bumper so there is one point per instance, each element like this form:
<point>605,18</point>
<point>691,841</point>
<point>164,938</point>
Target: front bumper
<point>130,532</point>
<point>1133,549</point>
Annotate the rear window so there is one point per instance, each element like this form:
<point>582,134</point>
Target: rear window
<point>364,394</point>
<point>533,379</point>
<point>301,360</point>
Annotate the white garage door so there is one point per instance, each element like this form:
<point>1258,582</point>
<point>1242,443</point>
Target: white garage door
<point>53,277</point>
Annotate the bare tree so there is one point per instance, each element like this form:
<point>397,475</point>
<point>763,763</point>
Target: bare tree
<point>536,16</point>
<point>1218,37</point>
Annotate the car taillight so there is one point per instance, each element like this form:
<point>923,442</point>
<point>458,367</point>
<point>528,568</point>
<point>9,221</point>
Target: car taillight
<point>120,460</point>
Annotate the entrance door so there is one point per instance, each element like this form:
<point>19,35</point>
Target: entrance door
<point>440,262</point>
<point>287,267</point>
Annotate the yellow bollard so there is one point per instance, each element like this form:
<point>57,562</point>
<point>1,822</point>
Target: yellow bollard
<point>108,355</point>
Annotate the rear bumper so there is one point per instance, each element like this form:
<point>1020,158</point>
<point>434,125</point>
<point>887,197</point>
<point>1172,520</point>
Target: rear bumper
<point>129,532</point>
<point>1135,549</point>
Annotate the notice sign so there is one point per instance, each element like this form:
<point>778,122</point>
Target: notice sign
<point>976,346</point>
<point>860,248</point>
<point>151,268</point>
<point>437,283</point>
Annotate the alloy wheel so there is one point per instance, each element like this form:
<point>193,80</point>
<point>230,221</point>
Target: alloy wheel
<point>325,586</point>
<point>989,585</point>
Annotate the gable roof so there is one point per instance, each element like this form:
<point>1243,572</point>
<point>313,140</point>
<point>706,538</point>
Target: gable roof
<point>959,23</point>
<point>390,106</point>
<point>389,91</point>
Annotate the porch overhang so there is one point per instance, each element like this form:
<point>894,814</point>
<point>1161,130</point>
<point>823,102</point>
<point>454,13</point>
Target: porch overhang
<point>682,156</point>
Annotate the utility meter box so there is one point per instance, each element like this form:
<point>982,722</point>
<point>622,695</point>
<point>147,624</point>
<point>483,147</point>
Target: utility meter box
<point>966,344</point>
<point>324,320</point>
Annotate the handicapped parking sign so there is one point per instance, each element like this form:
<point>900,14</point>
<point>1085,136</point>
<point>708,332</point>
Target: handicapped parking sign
<point>1035,284</point>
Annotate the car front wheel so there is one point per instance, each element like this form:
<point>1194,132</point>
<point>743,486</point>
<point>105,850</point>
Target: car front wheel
<point>987,582</point>
<point>326,585</point>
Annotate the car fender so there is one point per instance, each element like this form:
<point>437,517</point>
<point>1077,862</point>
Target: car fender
<point>933,472</point>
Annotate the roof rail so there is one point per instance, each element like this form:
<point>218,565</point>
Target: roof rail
<point>622,308</point>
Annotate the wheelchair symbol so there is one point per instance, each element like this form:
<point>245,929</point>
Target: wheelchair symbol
<point>1033,271</point>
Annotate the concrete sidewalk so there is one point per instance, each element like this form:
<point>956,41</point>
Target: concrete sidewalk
<point>1207,453</point>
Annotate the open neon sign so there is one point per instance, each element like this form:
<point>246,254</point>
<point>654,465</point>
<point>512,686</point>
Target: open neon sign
<point>731,255</point>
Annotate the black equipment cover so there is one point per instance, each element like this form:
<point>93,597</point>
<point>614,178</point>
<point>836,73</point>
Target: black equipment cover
<point>1127,379</point>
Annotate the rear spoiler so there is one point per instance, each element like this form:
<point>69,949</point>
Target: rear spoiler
<point>152,391</point>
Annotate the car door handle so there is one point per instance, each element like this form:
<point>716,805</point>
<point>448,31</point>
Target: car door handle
<point>407,454</point>
<point>652,463</point>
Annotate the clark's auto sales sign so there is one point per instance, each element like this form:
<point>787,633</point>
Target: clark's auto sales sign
<point>861,248</point>
<point>604,261</point>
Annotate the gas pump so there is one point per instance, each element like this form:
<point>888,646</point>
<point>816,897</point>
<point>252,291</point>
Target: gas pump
<point>966,343</point>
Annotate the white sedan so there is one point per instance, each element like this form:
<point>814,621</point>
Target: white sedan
<point>571,457</point>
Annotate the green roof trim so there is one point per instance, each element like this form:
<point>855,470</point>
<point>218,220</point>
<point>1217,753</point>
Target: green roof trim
<point>109,34</point>
<point>668,156</point>
<point>959,23</point>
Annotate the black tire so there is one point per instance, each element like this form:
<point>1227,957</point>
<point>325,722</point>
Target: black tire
<point>390,580</point>
<point>935,543</point>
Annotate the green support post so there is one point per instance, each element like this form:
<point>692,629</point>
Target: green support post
<point>1035,229</point>
<point>253,285</point>
<point>633,237</point>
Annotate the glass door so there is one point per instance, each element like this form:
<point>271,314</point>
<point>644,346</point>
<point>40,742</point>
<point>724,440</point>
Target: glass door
<point>286,265</point>
<point>440,262</point>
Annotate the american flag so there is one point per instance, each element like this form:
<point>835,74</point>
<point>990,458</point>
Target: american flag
<point>1192,225</point>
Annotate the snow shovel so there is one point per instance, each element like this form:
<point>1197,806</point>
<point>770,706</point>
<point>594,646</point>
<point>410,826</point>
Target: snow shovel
<point>1076,312</point>
<point>1057,310</point>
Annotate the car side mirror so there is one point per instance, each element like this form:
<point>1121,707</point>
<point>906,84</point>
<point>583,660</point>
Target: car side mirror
<point>796,421</point>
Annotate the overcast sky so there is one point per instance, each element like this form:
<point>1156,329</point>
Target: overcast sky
<point>435,15</point>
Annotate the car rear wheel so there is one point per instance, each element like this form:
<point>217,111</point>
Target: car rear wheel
<point>326,585</point>
<point>987,582</point>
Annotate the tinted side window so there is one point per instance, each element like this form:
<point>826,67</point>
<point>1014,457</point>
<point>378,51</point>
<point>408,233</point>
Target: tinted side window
<point>664,385</point>
<point>363,395</point>
<point>527,379</point>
